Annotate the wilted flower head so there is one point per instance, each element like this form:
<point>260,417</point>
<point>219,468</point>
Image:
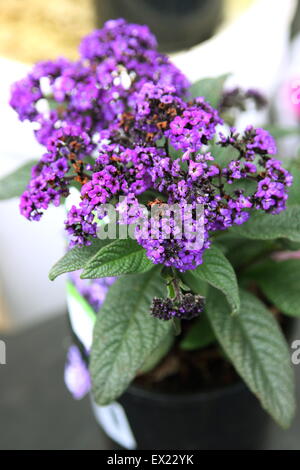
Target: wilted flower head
<point>188,307</point>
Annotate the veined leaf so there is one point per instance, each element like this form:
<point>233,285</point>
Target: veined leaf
<point>199,336</point>
<point>14,184</point>
<point>261,226</point>
<point>119,257</point>
<point>126,334</point>
<point>76,258</point>
<point>256,347</point>
<point>210,88</point>
<point>280,282</point>
<point>219,273</point>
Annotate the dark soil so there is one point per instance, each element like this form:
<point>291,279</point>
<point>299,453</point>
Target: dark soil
<point>190,371</point>
<point>204,370</point>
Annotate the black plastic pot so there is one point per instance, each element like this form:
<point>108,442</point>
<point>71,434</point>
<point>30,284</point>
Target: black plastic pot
<point>177,24</point>
<point>225,418</point>
<point>228,418</point>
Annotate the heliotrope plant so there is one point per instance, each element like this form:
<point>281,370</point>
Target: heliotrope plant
<point>124,122</point>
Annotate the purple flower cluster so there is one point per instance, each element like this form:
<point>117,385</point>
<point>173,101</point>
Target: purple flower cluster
<point>261,142</point>
<point>94,91</point>
<point>117,39</point>
<point>254,163</point>
<point>118,126</point>
<point>51,176</point>
<point>117,171</point>
<point>195,126</point>
<point>253,141</point>
<point>159,238</point>
<point>161,112</point>
<point>54,95</point>
<point>271,194</point>
<point>188,307</point>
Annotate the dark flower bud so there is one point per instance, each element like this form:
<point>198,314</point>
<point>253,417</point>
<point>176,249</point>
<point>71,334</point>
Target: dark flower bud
<point>188,307</point>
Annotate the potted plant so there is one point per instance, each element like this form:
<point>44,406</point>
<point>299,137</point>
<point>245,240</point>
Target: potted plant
<point>178,218</point>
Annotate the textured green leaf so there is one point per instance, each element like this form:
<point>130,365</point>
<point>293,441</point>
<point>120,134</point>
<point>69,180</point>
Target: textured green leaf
<point>210,88</point>
<point>263,226</point>
<point>223,155</point>
<point>76,258</point>
<point>280,282</point>
<point>125,334</point>
<point>14,184</point>
<point>255,345</point>
<point>195,284</point>
<point>119,257</point>
<point>219,273</point>
<point>199,335</point>
<point>158,353</point>
<point>294,190</point>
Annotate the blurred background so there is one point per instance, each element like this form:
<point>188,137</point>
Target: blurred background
<point>257,41</point>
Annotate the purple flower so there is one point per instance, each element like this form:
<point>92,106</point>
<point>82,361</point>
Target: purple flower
<point>195,170</point>
<point>195,126</point>
<point>177,126</point>
<point>241,218</point>
<point>93,290</point>
<point>233,171</point>
<point>264,188</point>
<point>261,141</point>
<point>77,376</point>
<point>250,167</point>
<point>60,167</point>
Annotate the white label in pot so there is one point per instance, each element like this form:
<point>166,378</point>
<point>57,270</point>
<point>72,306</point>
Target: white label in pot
<point>82,316</point>
<point>112,418</point>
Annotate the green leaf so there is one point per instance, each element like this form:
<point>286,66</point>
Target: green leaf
<point>219,273</point>
<point>199,335</point>
<point>294,190</point>
<point>255,345</point>
<point>76,258</point>
<point>244,251</point>
<point>280,282</point>
<point>210,88</point>
<point>247,186</point>
<point>279,132</point>
<point>119,257</point>
<point>14,184</point>
<point>196,285</point>
<point>223,155</point>
<point>261,226</point>
<point>125,334</point>
<point>175,154</point>
<point>156,356</point>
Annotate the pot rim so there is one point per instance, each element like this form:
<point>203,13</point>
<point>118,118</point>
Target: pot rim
<point>174,399</point>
